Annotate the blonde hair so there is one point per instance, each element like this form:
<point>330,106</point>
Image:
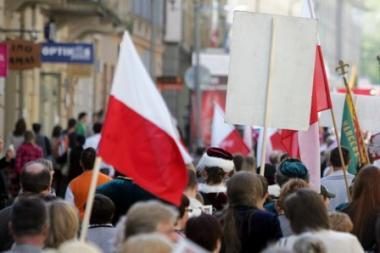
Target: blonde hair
<point>78,247</point>
<point>63,221</point>
<point>144,217</point>
<point>147,243</point>
<point>340,222</point>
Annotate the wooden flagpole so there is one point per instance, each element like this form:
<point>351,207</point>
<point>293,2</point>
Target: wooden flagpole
<point>268,100</point>
<point>90,199</point>
<point>344,165</point>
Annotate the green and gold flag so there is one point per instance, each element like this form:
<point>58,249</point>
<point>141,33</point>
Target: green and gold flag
<point>351,137</point>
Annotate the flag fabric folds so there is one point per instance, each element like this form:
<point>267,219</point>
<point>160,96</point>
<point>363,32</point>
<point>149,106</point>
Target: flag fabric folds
<point>308,149</point>
<point>225,136</point>
<point>351,136</point>
<point>138,137</point>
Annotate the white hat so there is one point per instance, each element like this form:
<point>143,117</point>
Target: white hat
<point>216,157</point>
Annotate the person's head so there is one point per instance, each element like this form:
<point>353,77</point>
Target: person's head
<point>365,199</point>
<point>216,163</point>
<point>288,188</point>
<point>326,195</point>
<point>64,223</point>
<point>28,223</point>
<point>340,222</point>
<point>36,128</point>
<point>87,158</point>
<point>243,188</point>
<point>206,231</point>
<point>71,123</point>
<point>309,244</point>
<point>335,160</point>
<point>82,117</point>
<point>103,210</point>
<point>183,213</point>
<point>238,162</point>
<point>269,173</point>
<point>29,137</point>
<point>265,194</point>
<point>97,127</point>
<point>147,243</point>
<point>57,131</point>
<point>291,168</point>
<point>249,164</point>
<point>306,211</point>
<point>36,178</point>
<point>10,153</point>
<point>151,216</point>
<point>275,157</point>
<point>20,127</point>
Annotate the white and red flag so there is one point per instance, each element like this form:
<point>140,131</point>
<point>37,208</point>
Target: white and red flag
<point>139,138</point>
<point>226,136</point>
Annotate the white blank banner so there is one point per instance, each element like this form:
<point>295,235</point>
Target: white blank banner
<point>367,109</point>
<point>292,69</point>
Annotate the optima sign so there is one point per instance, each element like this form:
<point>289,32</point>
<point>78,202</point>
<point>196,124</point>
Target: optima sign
<point>75,53</point>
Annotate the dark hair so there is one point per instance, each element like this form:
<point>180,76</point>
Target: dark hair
<point>20,127</point>
<point>238,162</point>
<point>185,203</point>
<point>36,127</point>
<point>335,157</point>
<point>205,231</point>
<point>82,115</point>
<point>87,158</point>
<point>71,123</point>
<point>102,210</point>
<point>192,179</point>
<point>97,127</point>
<point>306,211</point>
<point>29,216</point>
<point>28,136</point>
<point>243,188</point>
<point>215,175</point>
<point>35,182</point>
<point>269,173</point>
<point>365,200</point>
<point>80,139</point>
<point>57,131</point>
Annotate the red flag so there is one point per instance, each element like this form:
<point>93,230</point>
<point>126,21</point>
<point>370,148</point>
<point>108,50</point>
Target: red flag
<point>225,136</point>
<point>305,144</point>
<point>139,138</point>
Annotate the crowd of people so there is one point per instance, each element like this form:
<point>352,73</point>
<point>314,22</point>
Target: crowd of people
<point>226,207</point>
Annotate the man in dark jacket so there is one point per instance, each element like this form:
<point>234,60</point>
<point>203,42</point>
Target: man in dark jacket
<point>35,180</point>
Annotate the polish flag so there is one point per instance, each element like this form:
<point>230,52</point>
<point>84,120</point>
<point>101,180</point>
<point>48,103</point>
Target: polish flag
<point>308,141</point>
<point>225,136</point>
<point>305,145</point>
<point>138,137</point>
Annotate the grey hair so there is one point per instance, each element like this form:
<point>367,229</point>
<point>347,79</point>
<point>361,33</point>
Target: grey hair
<point>144,217</point>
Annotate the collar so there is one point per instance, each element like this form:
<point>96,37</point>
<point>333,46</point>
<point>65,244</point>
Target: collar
<point>26,248</point>
<point>205,188</point>
<point>107,225</point>
<point>338,173</point>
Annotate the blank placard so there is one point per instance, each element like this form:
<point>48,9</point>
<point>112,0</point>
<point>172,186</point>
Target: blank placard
<point>291,70</point>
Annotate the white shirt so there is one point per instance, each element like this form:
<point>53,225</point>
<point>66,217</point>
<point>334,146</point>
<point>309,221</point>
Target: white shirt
<point>92,142</point>
<point>335,184</point>
<point>335,242</point>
